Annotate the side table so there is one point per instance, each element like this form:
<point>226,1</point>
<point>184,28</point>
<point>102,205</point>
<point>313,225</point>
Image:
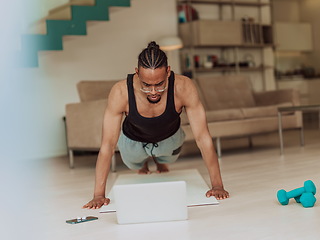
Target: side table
<point>301,108</point>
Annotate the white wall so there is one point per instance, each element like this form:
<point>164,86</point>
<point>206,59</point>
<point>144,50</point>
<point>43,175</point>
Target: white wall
<point>109,51</point>
<point>309,12</point>
<point>299,11</point>
<point>286,10</point>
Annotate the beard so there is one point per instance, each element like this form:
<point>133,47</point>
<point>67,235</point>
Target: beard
<point>153,101</point>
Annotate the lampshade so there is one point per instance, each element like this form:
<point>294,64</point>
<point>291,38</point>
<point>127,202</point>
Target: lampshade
<point>170,43</point>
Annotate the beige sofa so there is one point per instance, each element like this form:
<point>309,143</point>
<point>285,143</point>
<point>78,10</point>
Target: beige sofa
<point>84,119</point>
<point>233,109</point>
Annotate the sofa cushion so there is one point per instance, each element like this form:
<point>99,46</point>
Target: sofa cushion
<point>224,115</point>
<point>226,92</point>
<point>84,124</point>
<point>216,115</point>
<point>94,90</point>
<point>264,111</point>
<point>272,97</point>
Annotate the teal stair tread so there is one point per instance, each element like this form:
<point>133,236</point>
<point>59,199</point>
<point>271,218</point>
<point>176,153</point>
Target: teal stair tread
<point>56,29</point>
<point>115,3</point>
<point>86,13</point>
<point>66,27</point>
<point>36,43</point>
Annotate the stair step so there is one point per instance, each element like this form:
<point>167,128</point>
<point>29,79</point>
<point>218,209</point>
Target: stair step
<point>35,43</point>
<point>67,20</point>
<point>63,12</point>
<point>60,13</point>
<point>82,2</point>
<point>66,27</point>
<point>115,9</point>
<point>94,13</point>
<point>39,27</point>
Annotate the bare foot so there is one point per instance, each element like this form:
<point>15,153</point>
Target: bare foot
<point>144,169</point>
<point>162,168</point>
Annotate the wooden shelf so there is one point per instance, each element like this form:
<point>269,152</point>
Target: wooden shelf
<point>230,69</point>
<point>228,2</point>
<point>232,46</point>
<point>253,69</point>
<point>224,34</point>
<point>208,33</point>
<point>255,45</point>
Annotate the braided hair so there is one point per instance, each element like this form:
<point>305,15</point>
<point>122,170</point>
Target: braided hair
<point>152,57</point>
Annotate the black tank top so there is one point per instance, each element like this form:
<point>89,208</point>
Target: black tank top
<point>151,130</point>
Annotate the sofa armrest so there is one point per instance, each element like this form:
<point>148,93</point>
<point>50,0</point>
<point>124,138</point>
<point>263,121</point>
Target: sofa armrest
<point>277,97</point>
<point>84,124</point>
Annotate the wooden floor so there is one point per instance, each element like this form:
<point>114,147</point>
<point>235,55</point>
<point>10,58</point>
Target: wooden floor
<point>54,193</point>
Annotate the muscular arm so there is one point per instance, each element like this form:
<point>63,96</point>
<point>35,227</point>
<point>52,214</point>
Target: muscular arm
<point>110,134</point>
<point>199,127</point>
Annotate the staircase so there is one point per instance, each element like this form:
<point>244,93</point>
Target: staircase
<point>69,19</point>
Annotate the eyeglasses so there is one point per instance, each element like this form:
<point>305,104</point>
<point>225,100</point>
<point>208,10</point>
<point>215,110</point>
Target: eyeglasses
<point>157,87</point>
<point>150,89</point>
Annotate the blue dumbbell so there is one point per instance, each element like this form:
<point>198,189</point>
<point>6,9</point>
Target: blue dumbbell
<point>283,196</point>
<point>307,199</point>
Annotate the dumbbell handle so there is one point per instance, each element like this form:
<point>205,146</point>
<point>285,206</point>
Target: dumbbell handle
<point>296,192</point>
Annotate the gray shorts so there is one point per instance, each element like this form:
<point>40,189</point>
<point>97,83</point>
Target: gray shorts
<point>134,153</point>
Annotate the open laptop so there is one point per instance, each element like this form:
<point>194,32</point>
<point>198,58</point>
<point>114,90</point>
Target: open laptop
<point>151,202</point>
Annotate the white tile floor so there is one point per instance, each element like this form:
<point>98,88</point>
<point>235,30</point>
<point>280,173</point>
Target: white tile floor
<point>53,193</point>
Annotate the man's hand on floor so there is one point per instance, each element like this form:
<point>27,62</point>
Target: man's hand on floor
<point>218,192</point>
<point>97,202</point>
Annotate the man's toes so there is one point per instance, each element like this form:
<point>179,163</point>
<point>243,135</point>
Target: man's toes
<point>162,168</point>
<point>144,171</point>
